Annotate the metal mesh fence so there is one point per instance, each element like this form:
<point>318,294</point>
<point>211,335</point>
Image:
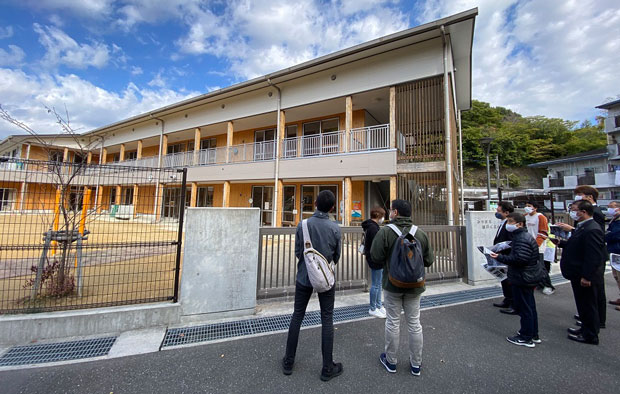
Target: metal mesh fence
<point>76,235</point>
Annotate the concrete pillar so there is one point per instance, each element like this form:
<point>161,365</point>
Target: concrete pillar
<point>392,117</point>
<point>229,139</point>
<point>197,136</point>
<point>348,201</point>
<point>348,123</point>
<point>393,183</point>
<point>226,197</point>
<point>139,151</point>
<point>279,204</point>
<point>135,200</point>
<point>121,156</point>
<point>194,195</point>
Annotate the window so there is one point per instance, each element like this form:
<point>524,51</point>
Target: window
<point>204,197</point>
<point>176,148</point>
<point>290,141</point>
<point>262,197</point>
<point>112,197</point>
<point>7,199</point>
<point>209,143</point>
<point>56,156</point>
<point>127,196</point>
<point>321,137</point>
<point>308,197</point>
<point>264,147</point>
<point>116,157</point>
<point>288,205</point>
<point>133,155</point>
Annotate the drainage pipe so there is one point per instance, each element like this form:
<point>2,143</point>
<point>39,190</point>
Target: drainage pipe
<point>159,163</point>
<point>274,219</point>
<point>448,139</point>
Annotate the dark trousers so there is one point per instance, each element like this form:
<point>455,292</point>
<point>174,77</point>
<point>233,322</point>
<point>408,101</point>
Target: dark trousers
<point>525,304</point>
<point>507,290</point>
<point>546,282</point>
<point>586,299</point>
<point>326,300</point>
<point>602,302</point>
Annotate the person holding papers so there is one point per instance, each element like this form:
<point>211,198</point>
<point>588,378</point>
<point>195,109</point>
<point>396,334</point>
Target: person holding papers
<point>612,237</point>
<point>504,209</point>
<point>524,273</point>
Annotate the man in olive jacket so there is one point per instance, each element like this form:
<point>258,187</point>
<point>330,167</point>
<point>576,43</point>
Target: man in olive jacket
<point>396,299</point>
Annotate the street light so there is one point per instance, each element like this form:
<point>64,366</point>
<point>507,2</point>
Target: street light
<point>485,143</point>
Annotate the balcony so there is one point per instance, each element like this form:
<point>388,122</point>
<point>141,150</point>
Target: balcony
<point>556,182</point>
<point>586,179</point>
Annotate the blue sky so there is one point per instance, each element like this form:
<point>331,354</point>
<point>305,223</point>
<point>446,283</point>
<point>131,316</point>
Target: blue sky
<point>105,60</point>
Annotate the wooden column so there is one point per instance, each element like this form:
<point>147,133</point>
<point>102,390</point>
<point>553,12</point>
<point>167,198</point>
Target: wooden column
<point>393,183</point>
<point>139,151</point>
<point>229,139</point>
<point>348,201</point>
<point>282,133</point>
<point>392,117</point>
<point>348,123</point>
<point>121,156</point>
<point>104,155</point>
<point>118,195</point>
<point>135,200</point>
<point>194,195</point>
<point>197,136</point>
<point>160,198</point>
<point>279,204</point>
<point>226,197</point>
<point>164,149</point>
<point>89,157</point>
<point>65,155</point>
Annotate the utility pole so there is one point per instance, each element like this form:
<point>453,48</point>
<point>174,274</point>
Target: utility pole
<point>499,185</point>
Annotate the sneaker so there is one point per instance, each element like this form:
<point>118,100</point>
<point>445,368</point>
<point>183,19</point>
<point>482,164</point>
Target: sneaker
<point>287,368</point>
<point>391,368</point>
<point>548,290</point>
<point>383,310</point>
<point>535,339</point>
<point>335,370</point>
<point>415,370</point>
<point>518,340</point>
<point>376,313</point>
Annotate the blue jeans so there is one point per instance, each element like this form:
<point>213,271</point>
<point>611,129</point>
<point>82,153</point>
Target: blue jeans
<point>376,277</point>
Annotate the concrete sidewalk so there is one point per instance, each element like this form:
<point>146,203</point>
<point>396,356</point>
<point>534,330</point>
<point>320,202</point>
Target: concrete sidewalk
<point>465,352</point>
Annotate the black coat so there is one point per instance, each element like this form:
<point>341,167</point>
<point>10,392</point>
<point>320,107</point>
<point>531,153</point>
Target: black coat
<point>583,254</point>
<point>371,228</point>
<point>523,254</point>
<point>503,235</point>
<point>599,217</point>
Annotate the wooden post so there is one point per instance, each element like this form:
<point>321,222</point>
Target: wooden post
<point>226,196</point>
<point>393,191</point>
<point>121,156</point>
<point>135,200</point>
<point>229,139</point>
<point>392,117</point>
<point>89,157</point>
<point>348,123</point>
<point>279,204</point>
<point>85,207</point>
<point>194,196</point>
<point>164,150</point>
<point>348,201</point>
<point>56,220</point>
<point>139,151</point>
<point>118,195</point>
<point>160,198</point>
<point>282,133</point>
<point>65,155</point>
<point>197,136</point>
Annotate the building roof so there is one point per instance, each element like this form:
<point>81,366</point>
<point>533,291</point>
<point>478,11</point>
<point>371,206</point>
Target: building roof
<point>609,104</point>
<point>589,155</point>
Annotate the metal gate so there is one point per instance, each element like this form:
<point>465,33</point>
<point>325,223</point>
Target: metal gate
<point>84,236</point>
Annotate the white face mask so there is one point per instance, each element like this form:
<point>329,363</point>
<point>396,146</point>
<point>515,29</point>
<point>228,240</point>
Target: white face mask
<point>529,210</point>
<point>511,227</point>
<point>578,198</point>
<point>381,221</point>
<point>574,216</point>
<point>611,211</point>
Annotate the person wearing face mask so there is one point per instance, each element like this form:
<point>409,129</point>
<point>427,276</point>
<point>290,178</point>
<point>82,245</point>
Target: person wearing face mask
<point>371,228</point>
<point>612,237</point>
<point>524,273</point>
<point>504,208</point>
<point>538,227</point>
<point>583,263</point>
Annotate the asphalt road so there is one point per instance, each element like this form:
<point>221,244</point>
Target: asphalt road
<point>465,351</point>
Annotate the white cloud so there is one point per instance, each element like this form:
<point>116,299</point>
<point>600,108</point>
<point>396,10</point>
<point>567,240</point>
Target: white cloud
<point>136,70</point>
<point>89,106</point>
<point>12,57</point>
<point>6,32</point>
<point>62,49</point>
<point>538,57</point>
<point>87,8</point>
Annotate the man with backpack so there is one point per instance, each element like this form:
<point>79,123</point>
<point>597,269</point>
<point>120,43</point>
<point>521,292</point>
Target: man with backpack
<point>404,251</point>
<point>322,241</point>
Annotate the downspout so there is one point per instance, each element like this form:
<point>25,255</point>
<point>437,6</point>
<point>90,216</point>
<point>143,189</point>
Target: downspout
<point>99,172</point>
<point>277,152</point>
<point>448,140</point>
<point>159,163</point>
<point>460,126</point>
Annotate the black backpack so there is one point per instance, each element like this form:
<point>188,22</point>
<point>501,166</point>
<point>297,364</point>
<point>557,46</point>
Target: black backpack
<point>407,263</point>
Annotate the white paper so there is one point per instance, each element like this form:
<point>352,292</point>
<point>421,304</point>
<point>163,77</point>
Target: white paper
<point>614,261</point>
<point>492,266</point>
<point>550,254</point>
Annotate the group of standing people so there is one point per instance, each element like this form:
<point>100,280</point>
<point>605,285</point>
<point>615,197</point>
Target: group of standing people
<point>379,245</point>
<point>584,256</point>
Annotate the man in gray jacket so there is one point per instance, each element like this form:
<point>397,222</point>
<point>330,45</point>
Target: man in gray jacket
<point>325,238</point>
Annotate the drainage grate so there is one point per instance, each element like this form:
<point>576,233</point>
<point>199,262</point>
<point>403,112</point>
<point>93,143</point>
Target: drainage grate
<point>62,351</point>
<point>211,332</point>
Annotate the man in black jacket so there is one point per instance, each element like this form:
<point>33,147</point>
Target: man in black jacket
<point>524,272</point>
<point>504,208</point>
<point>583,263</point>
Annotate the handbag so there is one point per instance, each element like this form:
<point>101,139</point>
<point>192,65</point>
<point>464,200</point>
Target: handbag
<point>533,274</point>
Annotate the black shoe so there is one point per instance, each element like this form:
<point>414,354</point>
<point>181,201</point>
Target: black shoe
<point>287,368</point>
<point>574,331</point>
<point>578,323</point>
<point>503,304</point>
<point>581,339</point>
<point>328,373</point>
<point>576,316</point>
<point>509,311</point>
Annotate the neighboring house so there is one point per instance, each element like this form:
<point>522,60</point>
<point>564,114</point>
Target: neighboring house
<point>612,128</point>
<point>372,123</point>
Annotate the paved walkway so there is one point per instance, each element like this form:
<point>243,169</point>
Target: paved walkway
<point>465,352</point>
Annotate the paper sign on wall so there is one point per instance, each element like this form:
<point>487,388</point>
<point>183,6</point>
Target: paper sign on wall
<point>357,209</point>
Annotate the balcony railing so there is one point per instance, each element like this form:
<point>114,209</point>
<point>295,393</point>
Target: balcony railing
<point>556,182</point>
<point>370,138</point>
<point>586,179</point>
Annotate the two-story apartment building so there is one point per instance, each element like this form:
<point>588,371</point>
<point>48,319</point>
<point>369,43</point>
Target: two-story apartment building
<point>372,123</point>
